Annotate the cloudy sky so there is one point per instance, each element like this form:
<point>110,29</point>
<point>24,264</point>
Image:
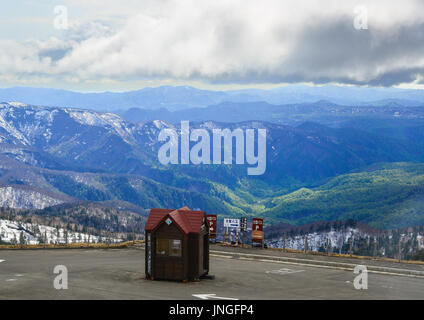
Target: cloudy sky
<point>93,45</point>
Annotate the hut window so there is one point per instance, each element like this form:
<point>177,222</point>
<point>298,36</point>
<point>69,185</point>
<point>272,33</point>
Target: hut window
<point>162,247</point>
<point>168,247</point>
<point>175,248</point>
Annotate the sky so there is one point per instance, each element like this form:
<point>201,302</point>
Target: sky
<point>108,45</point>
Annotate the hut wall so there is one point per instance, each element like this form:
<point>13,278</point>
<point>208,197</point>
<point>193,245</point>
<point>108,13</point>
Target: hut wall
<point>168,267</point>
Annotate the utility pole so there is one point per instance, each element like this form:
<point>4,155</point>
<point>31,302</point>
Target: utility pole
<point>374,254</point>
<point>306,244</point>
<point>244,238</point>
<point>350,246</point>
<point>327,246</point>
<point>226,235</point>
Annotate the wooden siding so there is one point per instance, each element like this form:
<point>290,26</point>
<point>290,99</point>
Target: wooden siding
<point>168,267</point>
<point>194,259</point>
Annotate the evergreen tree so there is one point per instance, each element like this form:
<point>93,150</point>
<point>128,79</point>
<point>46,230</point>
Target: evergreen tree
<point>21,238</point>
<point>14,240</point>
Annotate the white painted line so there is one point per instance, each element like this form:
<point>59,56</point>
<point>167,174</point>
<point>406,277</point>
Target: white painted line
<point>320,266</point>
<point>9,280</point>
<point>284,271</point>
<point>2,260</point>
<point>347,268</point>
<point>222,256</point>
<point>206,296</point>
<point>248,255</point>
<point>19,275</point>
<point>339,268</point>
<point>387,287</point>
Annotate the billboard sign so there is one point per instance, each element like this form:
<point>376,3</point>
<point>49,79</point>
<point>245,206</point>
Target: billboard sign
<point>231,223</point>
<point>257,230</point>
<point>149,254</point>
<point>243,224</point>
<point>212,224</point>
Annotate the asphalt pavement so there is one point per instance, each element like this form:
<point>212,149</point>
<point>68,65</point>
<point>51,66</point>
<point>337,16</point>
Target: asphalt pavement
<point>119,274</point>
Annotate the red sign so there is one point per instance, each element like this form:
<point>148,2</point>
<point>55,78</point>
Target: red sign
<point>257,230</point>
<point>211,218</point>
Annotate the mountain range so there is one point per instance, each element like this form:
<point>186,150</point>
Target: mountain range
<point>358,170</point>
<point>323,112</point>
<point>185,97</point>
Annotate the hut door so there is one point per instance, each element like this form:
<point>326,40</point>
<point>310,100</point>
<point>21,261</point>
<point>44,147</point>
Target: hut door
<point>201,266</point>
<point>206,253</point>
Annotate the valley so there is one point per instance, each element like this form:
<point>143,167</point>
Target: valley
<point>359,170</point>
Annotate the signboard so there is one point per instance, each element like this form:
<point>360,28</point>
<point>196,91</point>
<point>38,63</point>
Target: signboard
<point>243,224</point>
<point>257,230</point>
<point>232,223</point>
<point>149,254</point>
<point>212,224</point>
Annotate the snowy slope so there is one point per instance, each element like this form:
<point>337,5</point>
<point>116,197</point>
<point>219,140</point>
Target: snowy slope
<point>337,239</point>
<point>13,232</point>
<point>12,197</point>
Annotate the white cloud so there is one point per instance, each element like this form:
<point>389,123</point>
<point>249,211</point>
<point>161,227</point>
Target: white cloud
<point>238,41</point>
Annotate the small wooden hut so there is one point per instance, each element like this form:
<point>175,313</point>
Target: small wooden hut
<point>177,244</point>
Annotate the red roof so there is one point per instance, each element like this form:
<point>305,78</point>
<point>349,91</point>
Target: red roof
<point>188,221</point>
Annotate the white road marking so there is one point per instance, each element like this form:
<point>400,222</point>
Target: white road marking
<point>222,256</point>
<point>340,268</point>
<point>9,280</point>
<point>284,271</point>
<point>321,266</point>
<point>19,275</point>
<point>2,260</point>
<point>206,296</point>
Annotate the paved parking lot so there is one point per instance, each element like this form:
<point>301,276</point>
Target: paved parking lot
<point>118,274</point>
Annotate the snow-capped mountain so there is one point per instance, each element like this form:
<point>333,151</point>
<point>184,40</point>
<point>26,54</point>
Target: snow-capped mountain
<point>70,134</point>
<point>81,140</point>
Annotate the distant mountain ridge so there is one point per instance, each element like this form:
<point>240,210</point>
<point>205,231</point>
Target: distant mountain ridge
<point>185,97</point>
<point>324,112</point>
<point>83,140</point>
